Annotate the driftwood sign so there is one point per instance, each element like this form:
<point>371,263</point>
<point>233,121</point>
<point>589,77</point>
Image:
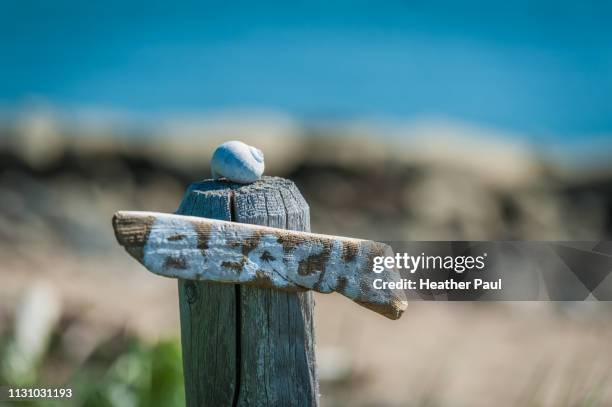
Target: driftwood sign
<point>195,248</point>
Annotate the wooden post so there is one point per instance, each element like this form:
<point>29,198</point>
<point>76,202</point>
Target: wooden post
<point>245,345</point>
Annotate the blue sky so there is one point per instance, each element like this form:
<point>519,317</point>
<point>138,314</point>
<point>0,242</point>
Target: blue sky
<point>536,67</point>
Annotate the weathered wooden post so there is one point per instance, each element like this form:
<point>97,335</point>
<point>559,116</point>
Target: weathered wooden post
<point>246,345</point>
<point>250,340</point>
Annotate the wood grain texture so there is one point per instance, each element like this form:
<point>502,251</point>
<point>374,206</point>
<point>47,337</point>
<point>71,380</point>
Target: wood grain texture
<point>229,252</point>
<point>209,314</point>
<point>242,345</point>
<point>278,347</point>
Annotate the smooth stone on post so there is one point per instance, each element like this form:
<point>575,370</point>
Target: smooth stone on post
<point>238,162</point>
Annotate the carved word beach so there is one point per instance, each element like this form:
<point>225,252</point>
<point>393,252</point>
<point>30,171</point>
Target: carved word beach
<point>197,248</point>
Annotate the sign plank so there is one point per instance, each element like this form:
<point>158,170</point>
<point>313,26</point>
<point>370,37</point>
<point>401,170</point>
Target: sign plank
<point>195,248</point>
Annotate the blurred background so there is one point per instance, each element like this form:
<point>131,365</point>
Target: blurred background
<point>404,120</point>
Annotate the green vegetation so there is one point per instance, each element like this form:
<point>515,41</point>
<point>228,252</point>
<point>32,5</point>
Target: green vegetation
<point>122,372</point>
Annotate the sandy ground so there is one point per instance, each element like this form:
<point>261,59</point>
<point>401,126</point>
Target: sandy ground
<point>58,193</point>
<point>458,354</point>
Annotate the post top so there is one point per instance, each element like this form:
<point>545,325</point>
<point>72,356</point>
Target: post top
<point>271,201</point>
<point>265,183</point>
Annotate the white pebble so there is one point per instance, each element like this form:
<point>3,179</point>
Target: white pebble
<point>238,162</point>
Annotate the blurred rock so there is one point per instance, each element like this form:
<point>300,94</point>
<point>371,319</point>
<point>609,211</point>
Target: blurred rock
<point>334,364</point>
<point>35,320</point>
